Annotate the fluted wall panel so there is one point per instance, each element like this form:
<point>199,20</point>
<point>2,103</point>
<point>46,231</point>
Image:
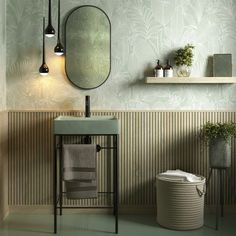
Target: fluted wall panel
<point>3,165</point>
<point>150,142</point>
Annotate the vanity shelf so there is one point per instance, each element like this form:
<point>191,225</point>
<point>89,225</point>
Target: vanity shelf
<point>191,80</point>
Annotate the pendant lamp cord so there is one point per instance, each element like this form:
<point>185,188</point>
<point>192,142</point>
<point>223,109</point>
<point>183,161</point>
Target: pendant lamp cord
<point>59,18</point>
<point>43,40</point>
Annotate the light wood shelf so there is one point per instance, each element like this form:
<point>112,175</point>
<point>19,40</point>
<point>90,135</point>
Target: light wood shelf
<point>191,80</point>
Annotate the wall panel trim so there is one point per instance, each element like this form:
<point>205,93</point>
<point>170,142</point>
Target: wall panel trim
<point>150,142</point>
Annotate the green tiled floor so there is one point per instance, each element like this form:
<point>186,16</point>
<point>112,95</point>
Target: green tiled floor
<point>101,224</point>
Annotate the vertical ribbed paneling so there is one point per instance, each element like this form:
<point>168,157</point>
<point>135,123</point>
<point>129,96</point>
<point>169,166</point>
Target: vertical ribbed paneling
<point>150,142</point>
<point>3,165</point>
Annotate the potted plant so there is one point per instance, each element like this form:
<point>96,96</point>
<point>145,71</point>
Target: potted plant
<point>219,136</point>
<point>184,60</point>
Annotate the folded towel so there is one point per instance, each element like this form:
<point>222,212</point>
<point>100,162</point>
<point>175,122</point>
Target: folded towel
<point>180,175</point>
<point>78,189</point>
<point>79,162</point>
<point>80,170</point>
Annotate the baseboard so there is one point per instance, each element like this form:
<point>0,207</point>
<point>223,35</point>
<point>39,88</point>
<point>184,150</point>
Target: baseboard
<point>152,209</point>
<point>137,209</point>
<point>31,209</point>
<point>227,209</point>
<point>48,209</point>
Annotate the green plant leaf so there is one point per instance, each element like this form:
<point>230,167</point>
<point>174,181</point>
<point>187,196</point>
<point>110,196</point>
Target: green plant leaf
<point>210,131</point>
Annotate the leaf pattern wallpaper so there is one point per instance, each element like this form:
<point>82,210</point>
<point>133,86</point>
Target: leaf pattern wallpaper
<point>2,57</point>
<point>142,31</point>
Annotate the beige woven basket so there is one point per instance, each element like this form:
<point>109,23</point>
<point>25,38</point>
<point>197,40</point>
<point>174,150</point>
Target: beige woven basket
<point>180,205</point>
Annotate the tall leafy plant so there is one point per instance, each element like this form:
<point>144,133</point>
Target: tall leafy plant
<point>211,131</point>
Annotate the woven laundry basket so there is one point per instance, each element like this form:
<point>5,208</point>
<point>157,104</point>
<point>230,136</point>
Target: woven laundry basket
<point>180,205</point>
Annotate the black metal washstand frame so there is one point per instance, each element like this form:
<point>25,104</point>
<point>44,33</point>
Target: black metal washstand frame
<point>58,195</point>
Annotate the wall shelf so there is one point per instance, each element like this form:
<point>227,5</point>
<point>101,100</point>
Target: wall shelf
<point>191,80</point>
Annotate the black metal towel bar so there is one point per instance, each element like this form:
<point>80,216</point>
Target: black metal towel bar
<point>98,147</point>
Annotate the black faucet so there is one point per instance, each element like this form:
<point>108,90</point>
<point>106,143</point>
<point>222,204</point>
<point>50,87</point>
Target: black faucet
<point>87,139</point>
<point>87,106</point>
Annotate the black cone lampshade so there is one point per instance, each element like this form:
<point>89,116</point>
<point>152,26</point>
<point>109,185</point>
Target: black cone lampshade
<point>43,70</point>
<point>59,49</point>
<point>49,31</point>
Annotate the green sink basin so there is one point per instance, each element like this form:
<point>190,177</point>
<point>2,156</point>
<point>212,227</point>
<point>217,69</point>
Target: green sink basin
<point>86,125</point>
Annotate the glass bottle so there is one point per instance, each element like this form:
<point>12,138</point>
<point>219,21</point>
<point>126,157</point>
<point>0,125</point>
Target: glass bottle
<point>168,70</point>
<point>158,70</point>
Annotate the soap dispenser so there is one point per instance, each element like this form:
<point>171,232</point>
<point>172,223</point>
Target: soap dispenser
<point>168,70</point>
<point>158,71</point>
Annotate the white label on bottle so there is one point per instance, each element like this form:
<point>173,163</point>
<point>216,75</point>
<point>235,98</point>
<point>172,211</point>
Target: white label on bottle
<point>168,73</point>
<point>159,73</point>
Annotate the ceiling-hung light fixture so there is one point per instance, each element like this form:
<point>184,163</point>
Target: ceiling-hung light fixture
<point>59,50</point>
<point>43,70</point>
<point>49,31</point>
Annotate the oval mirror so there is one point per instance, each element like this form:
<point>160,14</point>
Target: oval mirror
<point>88,47</point>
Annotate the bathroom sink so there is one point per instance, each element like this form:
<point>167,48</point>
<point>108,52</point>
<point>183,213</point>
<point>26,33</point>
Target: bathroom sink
<point>86,125</point>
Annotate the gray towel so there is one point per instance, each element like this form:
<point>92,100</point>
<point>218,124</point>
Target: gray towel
<point>80,170</point>
<point>79,162</point>
<point>79,189</point>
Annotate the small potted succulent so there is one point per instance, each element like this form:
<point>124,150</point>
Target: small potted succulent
<point>184,60</point>
<point>219,136</point>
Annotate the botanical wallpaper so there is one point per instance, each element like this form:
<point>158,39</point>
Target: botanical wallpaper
<point>2,57</point>
<point>142,31</point>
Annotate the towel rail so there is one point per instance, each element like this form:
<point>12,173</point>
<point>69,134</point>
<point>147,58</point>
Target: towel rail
<point>85,207</point>
<point>99,148</point>
<point>98,192</point>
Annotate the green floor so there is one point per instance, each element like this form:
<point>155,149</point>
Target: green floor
<point>101,224</point>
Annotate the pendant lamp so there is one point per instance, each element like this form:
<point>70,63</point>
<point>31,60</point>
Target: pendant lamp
<point>43,70</point>
<point>49,31</point>
<point>59,50</point>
